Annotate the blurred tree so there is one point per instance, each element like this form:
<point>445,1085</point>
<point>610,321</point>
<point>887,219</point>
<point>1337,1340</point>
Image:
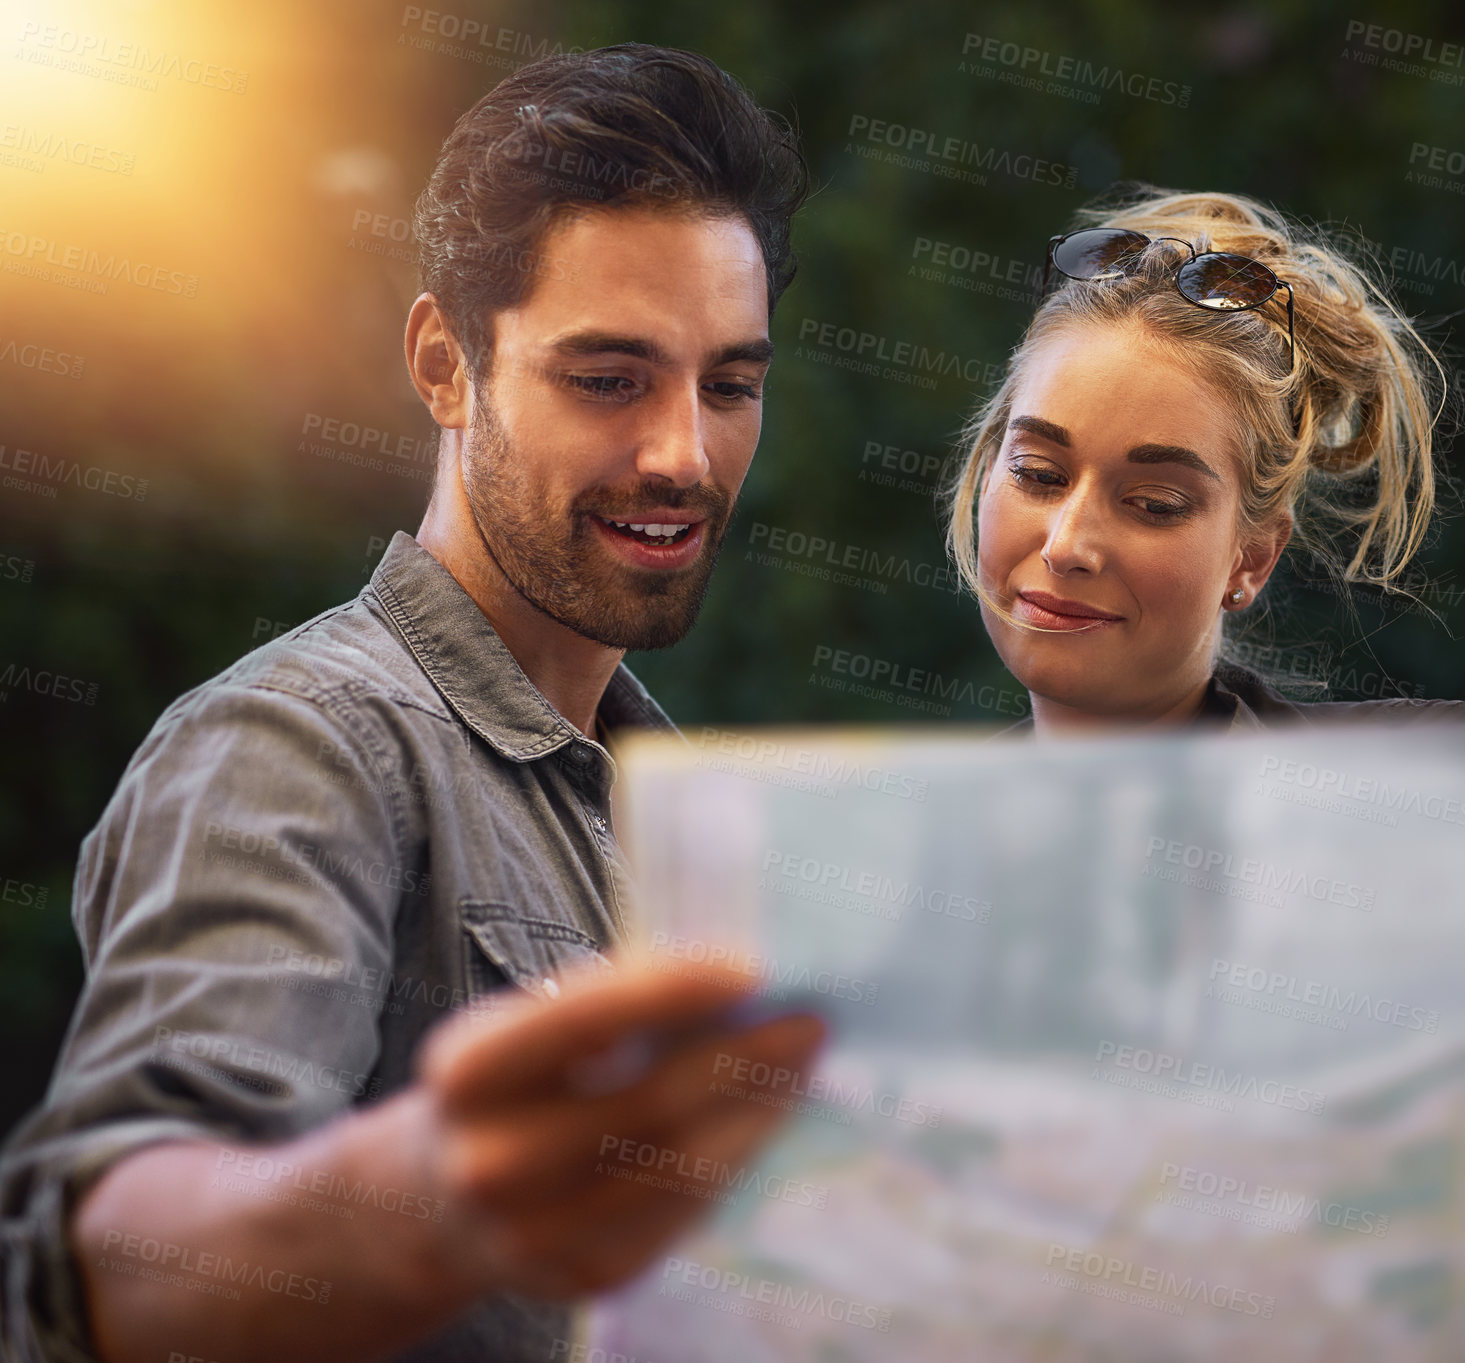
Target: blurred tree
<point>267,413</point>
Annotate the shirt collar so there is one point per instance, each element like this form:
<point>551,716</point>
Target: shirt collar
<point>472,667</point>
<point>1221,706</point>
<point>1238,695</point>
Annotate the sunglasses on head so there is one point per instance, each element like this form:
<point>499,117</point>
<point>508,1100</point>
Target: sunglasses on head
<point>1218,280</point>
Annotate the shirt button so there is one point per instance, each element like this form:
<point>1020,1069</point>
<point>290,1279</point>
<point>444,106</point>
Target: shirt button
<point>599,824</point>
<point>579,755</point>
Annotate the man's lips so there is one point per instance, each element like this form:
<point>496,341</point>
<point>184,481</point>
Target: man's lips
<point>662,516</point>
<point>1058,612</point>
<point>660,538</point>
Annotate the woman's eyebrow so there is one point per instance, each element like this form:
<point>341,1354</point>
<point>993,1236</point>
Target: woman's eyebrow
<point>1140,454</point>
<point>1035,425</point>
<point>1171,454</point>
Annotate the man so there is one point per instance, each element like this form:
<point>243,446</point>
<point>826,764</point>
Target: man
<point>258,1144</point>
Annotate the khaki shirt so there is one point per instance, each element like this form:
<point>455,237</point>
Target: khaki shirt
<point>312,858</point>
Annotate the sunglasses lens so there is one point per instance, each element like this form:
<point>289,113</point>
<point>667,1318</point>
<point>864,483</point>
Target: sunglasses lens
<point>1221,280</point>
<point>1100,253</point>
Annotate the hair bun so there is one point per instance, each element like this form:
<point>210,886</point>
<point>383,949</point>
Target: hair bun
<point>1354,402</point>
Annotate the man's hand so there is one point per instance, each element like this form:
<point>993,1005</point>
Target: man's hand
<point>530,1114</point>
<point>513,1126</point>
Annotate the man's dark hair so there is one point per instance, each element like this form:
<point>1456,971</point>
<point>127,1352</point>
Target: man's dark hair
<point>629,125</point>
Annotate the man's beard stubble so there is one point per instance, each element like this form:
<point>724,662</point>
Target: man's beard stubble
<point>553,562</point>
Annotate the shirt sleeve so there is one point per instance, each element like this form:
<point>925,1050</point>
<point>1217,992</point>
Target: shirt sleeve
<point>252,836</point>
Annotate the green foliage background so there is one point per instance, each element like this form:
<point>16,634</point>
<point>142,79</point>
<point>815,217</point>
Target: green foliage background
<point>243,531</point>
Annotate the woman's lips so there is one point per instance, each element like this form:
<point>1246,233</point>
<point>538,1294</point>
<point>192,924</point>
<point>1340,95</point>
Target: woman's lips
<point>1056,612</point>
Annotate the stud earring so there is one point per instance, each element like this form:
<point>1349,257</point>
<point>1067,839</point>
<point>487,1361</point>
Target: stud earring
<point>1237,594</point>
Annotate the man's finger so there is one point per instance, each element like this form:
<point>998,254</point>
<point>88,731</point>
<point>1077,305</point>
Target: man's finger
<point>610,1229</point>
<point>530,1151</point>
<point>537,1049</point>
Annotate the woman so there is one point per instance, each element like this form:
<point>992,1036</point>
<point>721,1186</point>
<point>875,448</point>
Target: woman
<point>1206,386</point>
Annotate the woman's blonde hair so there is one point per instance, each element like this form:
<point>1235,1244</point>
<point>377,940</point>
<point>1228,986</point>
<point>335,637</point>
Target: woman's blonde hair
<point>1341,440</point>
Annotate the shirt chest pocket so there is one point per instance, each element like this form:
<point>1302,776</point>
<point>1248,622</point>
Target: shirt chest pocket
<point>504,945</point>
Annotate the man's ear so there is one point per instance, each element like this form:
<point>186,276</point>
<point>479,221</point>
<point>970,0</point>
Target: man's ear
<point>1256,559</point>
<point>437,364</point>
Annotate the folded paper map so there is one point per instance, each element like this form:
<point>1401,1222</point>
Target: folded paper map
<point>1142,1049</point>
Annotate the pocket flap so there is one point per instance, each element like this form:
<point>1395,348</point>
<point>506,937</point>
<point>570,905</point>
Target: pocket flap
<point>527,952</point>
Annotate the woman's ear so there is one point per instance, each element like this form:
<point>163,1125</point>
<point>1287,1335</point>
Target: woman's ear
<point>1255,561</point>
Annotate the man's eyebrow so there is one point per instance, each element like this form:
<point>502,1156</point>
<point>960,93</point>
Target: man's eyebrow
<point>1140,454</point>
<point>585,343</point>
<point>755,352</point>
<point>1171,454</point>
